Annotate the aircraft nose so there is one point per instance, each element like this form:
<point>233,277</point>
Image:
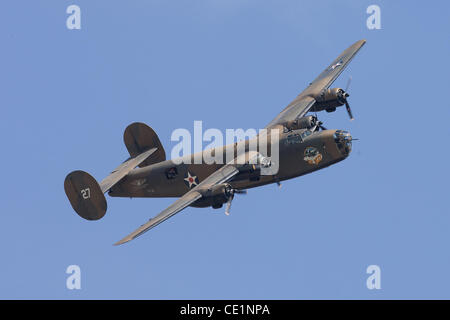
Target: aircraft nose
<point>343,141</point>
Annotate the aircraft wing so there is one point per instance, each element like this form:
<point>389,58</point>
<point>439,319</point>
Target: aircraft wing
<point>220,176</point>
<point>305,100</point>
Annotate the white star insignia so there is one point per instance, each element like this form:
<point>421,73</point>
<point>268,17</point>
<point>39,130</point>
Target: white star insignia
<point>192,180</point>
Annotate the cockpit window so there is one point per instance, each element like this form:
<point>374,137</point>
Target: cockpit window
<point>298,137</point>
<point>306,133</point>
<point>294,138</point>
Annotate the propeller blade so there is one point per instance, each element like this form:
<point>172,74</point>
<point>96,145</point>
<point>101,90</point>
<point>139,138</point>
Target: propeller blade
<point>231,197</point>
<point>227,209</point>
<point>320,124</point>
<point>349,111</point>
<point>348,83</point>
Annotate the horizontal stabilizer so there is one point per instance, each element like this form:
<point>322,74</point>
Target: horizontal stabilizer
<point>122,170</point>
<point>87,196</point>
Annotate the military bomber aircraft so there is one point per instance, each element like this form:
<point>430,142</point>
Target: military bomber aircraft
<point>304,146</point>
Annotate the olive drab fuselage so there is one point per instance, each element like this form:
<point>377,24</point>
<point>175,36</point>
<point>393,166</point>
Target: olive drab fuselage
<point>300,152</point>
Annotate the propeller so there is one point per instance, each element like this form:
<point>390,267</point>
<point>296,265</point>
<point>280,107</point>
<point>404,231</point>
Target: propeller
<point>232,192</point>
<point>349,111</point>
<point>348,83</point>
<point>316,124</point>
<point>342,96</point>
<point>345,96</point>
<point>320,124</point>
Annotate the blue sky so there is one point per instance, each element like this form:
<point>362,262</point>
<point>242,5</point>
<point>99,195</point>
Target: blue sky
<point>67,95</point>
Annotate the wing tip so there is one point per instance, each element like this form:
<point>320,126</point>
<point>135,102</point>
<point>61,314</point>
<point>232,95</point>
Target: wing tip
<point>124,240</point>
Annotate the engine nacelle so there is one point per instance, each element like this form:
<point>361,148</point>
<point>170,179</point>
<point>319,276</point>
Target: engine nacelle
<point>250,172</point>
<point>302,123</point>
<point>330,99</point>
<point>214,197</point>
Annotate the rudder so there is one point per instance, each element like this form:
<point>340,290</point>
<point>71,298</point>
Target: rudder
<point>85,195</point>
<point>138,138</point>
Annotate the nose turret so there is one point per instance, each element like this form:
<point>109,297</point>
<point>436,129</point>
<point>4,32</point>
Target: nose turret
<point>343,141</point>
